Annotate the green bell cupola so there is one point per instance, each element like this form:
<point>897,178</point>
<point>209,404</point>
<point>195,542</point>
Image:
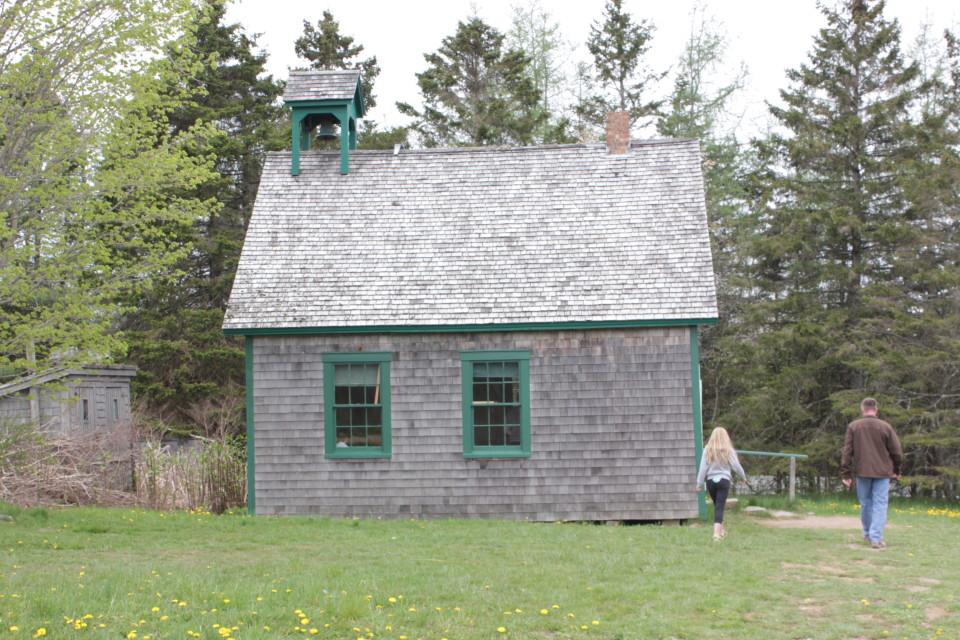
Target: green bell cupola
<point>319,100</point>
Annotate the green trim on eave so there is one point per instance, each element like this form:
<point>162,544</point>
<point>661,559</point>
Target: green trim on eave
<point>695,393</point>
<point>473,328</point>
<point>251,483</point>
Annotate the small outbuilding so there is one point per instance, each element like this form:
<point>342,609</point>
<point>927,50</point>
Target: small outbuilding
<point>473,332</point>
<point>88,400</point>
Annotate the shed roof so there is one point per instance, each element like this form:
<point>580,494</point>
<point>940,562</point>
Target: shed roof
<point>321,85</point>
<point>119,371</point>
<point>477,236</point>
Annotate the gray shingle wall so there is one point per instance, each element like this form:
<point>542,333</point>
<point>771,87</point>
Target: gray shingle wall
<point>612,430</point>
<point>477,236</point>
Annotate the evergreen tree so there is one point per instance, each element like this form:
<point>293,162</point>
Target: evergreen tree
<point>476,92</point>
<point>618,47</point>
<point>324,48</point>
<point>187,366</point>
<point>852,282</point>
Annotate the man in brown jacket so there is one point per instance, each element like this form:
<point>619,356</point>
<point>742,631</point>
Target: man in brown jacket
<point>872,453</point>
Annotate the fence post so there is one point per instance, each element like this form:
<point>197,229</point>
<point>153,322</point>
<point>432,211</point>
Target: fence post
<point>793,479</point>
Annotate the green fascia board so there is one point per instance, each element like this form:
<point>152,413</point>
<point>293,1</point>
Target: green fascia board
<point>473,328</point>
<point>307,104</point>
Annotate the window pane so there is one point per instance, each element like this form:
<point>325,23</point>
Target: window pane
<point>358,437</point>
<point>342,417</point>
<point>496,415</point>
<point>496,392</point>
<point>481,416</point>
<point>375,436</point>
<point>375,417</point>
<point>481,437</point>
<point>358,417</point>
<point>480,392</point>
<point>512,436</point>
<point>356,374</point>
<point>496,437</point>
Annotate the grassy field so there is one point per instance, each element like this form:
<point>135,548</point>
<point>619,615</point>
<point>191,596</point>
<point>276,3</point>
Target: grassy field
<point>104,573</point>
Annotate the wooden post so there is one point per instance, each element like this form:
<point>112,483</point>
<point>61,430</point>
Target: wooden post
<point>793,478</point>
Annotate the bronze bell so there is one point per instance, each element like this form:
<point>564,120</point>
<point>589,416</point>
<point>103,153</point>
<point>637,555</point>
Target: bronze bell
<point>326,131</point>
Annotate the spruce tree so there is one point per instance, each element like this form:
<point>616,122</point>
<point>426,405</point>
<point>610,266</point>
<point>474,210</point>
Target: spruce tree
<point>618,47</point>
<point>325,48</point>
<point>850,287</point>
<point>476,92</point>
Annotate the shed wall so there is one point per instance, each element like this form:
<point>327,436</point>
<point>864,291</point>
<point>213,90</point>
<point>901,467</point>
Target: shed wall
<point>612,430</point>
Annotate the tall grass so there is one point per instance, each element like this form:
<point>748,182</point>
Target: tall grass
<point>208,476</point>
<point>147,574</point>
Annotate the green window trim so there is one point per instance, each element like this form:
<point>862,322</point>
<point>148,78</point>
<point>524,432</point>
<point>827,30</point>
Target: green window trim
<point>516,400</point>
<point>343,400</point>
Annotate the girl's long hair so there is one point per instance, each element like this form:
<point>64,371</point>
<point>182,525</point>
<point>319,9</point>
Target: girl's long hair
<point>719,449</point>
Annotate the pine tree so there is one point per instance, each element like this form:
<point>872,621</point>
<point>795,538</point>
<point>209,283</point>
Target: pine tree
<point>618,47</point>
<point>476,92</point>
<point>852,284</point>
<point>187,366</point>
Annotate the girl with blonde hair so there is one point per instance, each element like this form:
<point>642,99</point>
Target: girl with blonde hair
<point>717,465</point>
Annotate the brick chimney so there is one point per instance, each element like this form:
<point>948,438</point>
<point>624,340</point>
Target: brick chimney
<point>618,132</point>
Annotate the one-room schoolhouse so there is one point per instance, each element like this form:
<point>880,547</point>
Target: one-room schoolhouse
<point>473,332</point>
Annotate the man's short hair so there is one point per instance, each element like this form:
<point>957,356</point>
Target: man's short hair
<point>868,404</point>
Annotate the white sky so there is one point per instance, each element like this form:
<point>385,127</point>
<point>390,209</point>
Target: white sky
<point>768,35</point>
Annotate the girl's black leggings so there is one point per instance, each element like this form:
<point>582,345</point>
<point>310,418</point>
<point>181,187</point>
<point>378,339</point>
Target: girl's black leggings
<point>718,493</point>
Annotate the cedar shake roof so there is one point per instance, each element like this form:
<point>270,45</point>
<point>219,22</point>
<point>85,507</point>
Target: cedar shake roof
<point>321,85</point>
<point>475,236</point>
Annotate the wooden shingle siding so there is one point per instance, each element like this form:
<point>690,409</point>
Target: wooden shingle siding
<point>612,429</point>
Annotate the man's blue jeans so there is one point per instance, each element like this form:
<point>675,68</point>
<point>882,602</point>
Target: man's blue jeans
<point>873,495</point>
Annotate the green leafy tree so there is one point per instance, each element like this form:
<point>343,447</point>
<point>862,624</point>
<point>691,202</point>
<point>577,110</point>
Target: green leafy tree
<point>853,272</point>
<point>91,180</point>
<point>535,32</point>
<point>476,92</point>
<point>698,107</point>
<point>618,47</point>
<point>187,366</point>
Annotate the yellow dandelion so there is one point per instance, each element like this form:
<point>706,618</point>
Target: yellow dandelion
<point>501,629</point>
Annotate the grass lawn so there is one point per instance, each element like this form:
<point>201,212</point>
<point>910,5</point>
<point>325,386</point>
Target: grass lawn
<point>105,573</point>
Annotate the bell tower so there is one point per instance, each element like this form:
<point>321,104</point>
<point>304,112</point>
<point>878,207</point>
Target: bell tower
<point>324,99</point>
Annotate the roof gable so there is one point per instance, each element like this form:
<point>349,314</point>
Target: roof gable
<point>488,236</point>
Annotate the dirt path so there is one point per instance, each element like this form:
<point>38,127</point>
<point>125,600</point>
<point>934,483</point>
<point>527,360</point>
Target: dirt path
<point>814,522</point>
